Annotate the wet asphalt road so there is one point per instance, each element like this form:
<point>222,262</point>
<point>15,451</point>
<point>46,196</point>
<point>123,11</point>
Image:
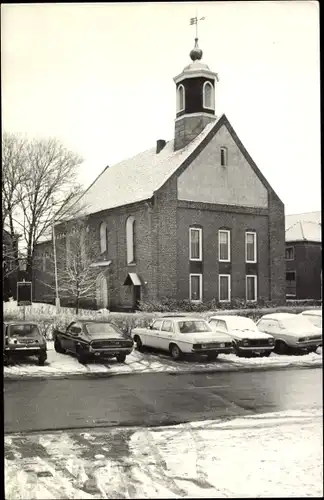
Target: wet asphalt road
<point>155,399</point>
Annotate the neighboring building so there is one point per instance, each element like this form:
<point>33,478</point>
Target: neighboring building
<point>192,218</point>
<point>304,256</point>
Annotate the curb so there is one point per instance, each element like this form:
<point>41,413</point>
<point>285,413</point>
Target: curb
<point>219,369</point>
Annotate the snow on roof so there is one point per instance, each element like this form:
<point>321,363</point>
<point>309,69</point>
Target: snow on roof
<point>137,178</point>
<point>306,217</point>
<point>304,231</point>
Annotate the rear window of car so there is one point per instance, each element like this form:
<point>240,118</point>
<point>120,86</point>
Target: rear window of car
<point>193,326</point>
<point>28,330</point>
<point>104,329</point>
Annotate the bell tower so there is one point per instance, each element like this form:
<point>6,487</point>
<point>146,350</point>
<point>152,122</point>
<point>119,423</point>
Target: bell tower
<point>195,98</point>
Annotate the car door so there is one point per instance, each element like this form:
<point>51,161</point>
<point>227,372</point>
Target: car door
<point>166,334</point>
<point>75,334</point>
<point>65,337</point>
<point>152,334</point>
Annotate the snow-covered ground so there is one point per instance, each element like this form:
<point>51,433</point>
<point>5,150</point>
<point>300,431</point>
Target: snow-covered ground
<point>61,365</point>
<point>270,455</point>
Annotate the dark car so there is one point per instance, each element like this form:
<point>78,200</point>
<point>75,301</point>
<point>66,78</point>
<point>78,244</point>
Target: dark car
<point>23,339</point>
<point>92,339</point>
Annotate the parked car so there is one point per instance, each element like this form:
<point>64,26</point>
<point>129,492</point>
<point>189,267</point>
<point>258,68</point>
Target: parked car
<point>293,333</point>
<point>23,339</point>
<point>182,335</point>
<point>92,339</point>
<point>247,339</point>
<point>314,316</point>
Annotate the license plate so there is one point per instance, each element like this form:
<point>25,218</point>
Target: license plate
<point>222,345</point>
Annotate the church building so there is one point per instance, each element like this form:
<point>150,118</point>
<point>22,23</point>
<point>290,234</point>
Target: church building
<point>191,218</point>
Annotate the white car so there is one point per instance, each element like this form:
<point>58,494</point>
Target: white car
<point>247,339</point>
<point>314,316</point>
<point>293,333</point>
<point>182,335</point>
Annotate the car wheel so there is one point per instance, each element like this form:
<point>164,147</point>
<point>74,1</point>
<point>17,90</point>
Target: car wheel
<point>212,356</point>
<point>82,357</point>
<point>175,351</point>
<point>281,347</point>
<point>121,358</point>
<point>139,344</point>
<point>238,351</point>
<point>58,347</point>
<point>42,358</point>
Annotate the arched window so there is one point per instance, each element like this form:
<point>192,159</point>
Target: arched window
<point>208,96</point>
<point>103,237</point>
<point>180,98</point>
<point>130,239</point>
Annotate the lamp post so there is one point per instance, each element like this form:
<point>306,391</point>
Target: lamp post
<point>57,298</point>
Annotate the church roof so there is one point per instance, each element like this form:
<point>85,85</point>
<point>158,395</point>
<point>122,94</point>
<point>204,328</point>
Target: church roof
<point>137,178</point>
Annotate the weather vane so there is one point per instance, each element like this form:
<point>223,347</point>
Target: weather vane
<point>194,20</point>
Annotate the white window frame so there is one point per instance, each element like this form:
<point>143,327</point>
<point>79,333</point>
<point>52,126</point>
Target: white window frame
<point>181,87</point>
<point>293,252</point>
<point>130,243</point>
<point>200,287</point>
<point>212,106</point>
<point>255,247</point>
<point>228,276</point>
<point>255,287</point>
<point>224,149</point>
<point>199,229</point>
<point>228,244</point>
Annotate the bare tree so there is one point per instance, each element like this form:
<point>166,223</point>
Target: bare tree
<point>40,181</point>
<point>76,276</point>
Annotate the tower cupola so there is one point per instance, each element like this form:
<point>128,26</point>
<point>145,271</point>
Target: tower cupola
<point>195,103</point>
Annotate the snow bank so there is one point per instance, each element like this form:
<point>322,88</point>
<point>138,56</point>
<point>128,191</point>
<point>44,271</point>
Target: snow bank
<point>61,365</point>
<point>270,455</point>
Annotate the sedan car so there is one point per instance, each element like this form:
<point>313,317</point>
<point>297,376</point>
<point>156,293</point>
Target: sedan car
<point>314,316</point>
<point>23,339</point>
<point>91,339</point>
<point>293,333</point>
<point>247,339</point>
<point>181,335</point>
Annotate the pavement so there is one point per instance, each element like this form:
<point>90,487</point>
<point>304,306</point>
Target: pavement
<point>155,399</point>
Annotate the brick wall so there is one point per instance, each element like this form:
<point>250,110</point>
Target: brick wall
<point>277,249</point>
<point>307,264</point>
<point>212,218</point>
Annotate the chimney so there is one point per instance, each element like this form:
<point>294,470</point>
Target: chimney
<point>160,143</point>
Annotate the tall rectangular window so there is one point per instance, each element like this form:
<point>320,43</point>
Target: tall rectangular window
<point>224,243</point>
<point>251,288</point>
<point>250,246</point>
<point>195,287</point>
<point>224,288</point>
<point>291,283</point>
<point>289,253</point>
<point>195,243</point>
<point>223,157</point>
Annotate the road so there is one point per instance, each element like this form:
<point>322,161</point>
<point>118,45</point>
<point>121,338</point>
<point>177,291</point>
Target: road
<point>155,399</point>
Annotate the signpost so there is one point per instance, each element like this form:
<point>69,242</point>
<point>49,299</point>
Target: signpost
<point>24,295</point>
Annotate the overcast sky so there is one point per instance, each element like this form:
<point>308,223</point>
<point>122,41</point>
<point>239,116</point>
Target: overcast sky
<point>100,78</point>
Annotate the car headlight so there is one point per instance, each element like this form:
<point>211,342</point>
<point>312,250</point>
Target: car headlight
<point>245,342</point>
<point>271,341</point>
<point>203,346</point>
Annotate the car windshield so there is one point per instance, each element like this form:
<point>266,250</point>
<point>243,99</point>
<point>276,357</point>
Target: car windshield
<point>241,324</point>
<point>103,329</point>
<point>296,323</point>
<point>316,320</point>
<point>24,330</point>
<point>193,326</point>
